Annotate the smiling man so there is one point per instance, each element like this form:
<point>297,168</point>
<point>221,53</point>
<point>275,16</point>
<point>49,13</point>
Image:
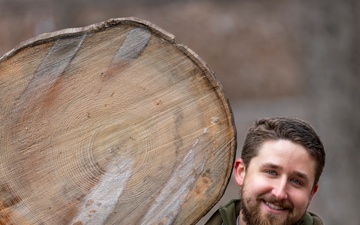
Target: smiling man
<point>278,173</point>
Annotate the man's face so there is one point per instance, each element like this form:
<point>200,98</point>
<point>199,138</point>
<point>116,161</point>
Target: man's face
<point>277,186</point>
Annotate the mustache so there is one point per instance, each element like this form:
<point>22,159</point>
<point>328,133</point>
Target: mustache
<point>273,200</point>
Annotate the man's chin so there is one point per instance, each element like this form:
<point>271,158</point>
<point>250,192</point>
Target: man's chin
<point>265,213</point>
<point>268,215</point>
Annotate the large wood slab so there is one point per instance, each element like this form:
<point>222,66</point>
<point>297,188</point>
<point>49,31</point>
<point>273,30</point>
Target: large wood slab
<point>114,123</point>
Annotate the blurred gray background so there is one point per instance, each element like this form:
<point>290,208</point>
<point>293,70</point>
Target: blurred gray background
<point>273,58</point>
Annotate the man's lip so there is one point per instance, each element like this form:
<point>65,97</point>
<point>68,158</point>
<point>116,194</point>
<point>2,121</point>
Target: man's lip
<point>273,207</point>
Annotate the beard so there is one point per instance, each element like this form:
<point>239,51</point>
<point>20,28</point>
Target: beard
<point>252,214</point>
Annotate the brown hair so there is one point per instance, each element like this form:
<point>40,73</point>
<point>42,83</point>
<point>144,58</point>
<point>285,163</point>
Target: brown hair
<point>295,130</point>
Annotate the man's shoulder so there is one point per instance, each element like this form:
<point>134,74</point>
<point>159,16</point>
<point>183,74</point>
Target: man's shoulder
<point>317,220</point>
<point>226,214</point>
<point>311,219</point>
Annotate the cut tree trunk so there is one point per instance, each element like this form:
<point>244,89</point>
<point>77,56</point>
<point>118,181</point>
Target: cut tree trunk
<point>113,123</point>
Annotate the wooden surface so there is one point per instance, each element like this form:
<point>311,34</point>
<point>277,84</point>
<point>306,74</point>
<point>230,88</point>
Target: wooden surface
<point>114,123</point>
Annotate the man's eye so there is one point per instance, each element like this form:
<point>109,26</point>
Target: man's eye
<point>296,182</point>
<point>271,172</point>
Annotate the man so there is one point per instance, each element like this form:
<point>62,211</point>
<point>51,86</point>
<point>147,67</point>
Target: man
<point>278,173</point>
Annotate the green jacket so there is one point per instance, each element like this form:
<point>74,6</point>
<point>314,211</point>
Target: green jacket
<point>227,214</point>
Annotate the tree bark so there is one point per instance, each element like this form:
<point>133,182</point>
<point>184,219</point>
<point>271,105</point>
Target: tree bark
<point>114,123</point>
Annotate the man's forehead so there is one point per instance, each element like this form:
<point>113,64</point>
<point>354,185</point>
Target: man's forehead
<point>285,154</point>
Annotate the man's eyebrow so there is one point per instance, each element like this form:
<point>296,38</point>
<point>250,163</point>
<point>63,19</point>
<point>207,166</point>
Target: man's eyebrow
<point>271,165</point>
<point>302,175</point>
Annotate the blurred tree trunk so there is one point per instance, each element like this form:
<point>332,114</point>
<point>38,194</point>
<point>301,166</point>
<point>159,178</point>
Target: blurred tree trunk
<point>331,47</point>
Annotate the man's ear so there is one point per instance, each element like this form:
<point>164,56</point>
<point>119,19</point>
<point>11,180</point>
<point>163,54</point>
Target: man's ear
<point>313,191</point>
<point>239,171</point>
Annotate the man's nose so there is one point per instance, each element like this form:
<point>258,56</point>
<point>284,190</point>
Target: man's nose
<point>279,190</point>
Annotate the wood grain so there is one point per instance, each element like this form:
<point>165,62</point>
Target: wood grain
<point>114,123</point>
